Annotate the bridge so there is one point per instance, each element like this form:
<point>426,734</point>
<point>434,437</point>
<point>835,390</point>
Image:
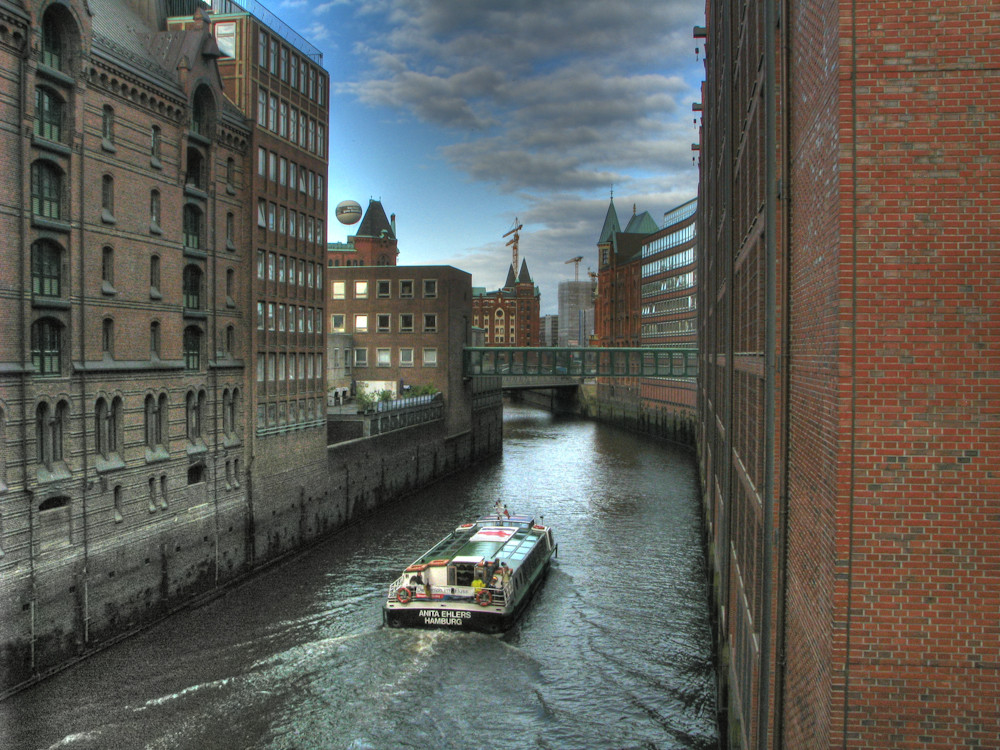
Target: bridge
<point>550,367</point>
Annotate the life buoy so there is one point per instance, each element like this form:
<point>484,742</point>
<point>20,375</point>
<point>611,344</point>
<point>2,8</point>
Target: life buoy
<point>404,595</point>
<point>484,597</point>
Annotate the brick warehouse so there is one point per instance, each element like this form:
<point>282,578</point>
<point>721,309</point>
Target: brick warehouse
<point>849,281</point>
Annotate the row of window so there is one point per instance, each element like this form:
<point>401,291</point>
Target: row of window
<point>671,284</point>
<point>383,323</point>
<point>283,220</point>
<point>278,60</point>
<point>669,263</point>
<point>52,425</point>
<point>282,367</point>
<point>282,269</point>
<point>669,327</point>
<point>403,358</point>
<point>282,171</point>
<point>286,121</point>
<point>673,305</point>
<point>48,347</point>
<point>272,316</point>
<point>301,412</point>
<point>383,289</point>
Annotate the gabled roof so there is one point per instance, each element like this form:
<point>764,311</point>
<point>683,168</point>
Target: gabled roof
<point>511,278</point>
<point>611,225</point>
<point>375,223</point>
<point>642,224</point>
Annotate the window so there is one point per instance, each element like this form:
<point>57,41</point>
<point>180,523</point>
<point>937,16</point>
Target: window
<point>117,503</point>
<point>283,69</point>
<point>202,111</point>
<point>108,426</point>
<point>271,212</point>
<point>195,413</point>
<point>260,264</point>
<point>430,322</point>
<point>406,289</point>
<point>430,288</point>
<point>154,212</point>
<point>230,286</point>
<point>231,173</point>
<point>260,367</point>
<point>260,316</point>
<point>107,270</point>
<point>382,288</point>
<point>48,115</point>
<point>430,357</point>
<point>291,318</point>
<point>302,319</point>
<point>406,323</point>
<point>156,421</point>
<point>230,411</point>
<point>45,269</point>
<point>262,108</point>
<point>382,322</point>
<point>192,227</point>
<point>154,338</point>
<point>338,290</point>
<point>337,323</point>
<point>108,199</point>
<point>384,357</point>
<point>54,523</point>
<point>283,167</point>
<point>281,317</point>
<point>191,281</point>
<point>261,212</point>
<point>108,337</point>
<point>283,121</point>
<point>192,348</point>
<point>281,269</point>
<point>108,128</point>
<point>262,49</point>
<point>50,429</point>
<point>270,316</point>
<point>46,347</point>
<point>52,46</point>
<point>272,113</point>
<point>360,290</point>
<point>274,56</point>
<point>154,276</point>
<point>293,130</point>
<point>155,146</point>
<point>360,323</point>
<point>406,357</point>
<point>46,190</point>
<point>194,175</point>
<point>293,72</point>
<point>230,232</point>
<point>361,358</point>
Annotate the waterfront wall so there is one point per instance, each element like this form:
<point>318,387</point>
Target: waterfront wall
<point>69,602</point>
<point>624,409</point>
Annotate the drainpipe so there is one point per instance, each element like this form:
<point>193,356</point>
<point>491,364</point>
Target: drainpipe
<point>770,303</point>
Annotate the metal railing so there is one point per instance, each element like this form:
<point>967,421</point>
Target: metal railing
<point>479,361</point>
<point>449,593</point>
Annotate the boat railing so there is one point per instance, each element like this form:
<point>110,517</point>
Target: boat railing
<point>438,593</point>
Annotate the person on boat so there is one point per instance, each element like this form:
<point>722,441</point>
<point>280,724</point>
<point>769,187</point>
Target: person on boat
<point>505,573</point>
<point>418,580</point>
<point>477,583</point>
<point>505,511</point>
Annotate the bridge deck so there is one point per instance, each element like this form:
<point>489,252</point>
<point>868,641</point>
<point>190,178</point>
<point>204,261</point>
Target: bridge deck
<point>541,361</point>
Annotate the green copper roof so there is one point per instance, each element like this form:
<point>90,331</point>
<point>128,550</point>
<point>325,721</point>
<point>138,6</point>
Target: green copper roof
<point>611,225</point>
<point>642,224</point>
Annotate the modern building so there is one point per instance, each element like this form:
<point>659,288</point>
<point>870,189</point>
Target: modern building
<point>374,244</point>
<point>849,334</point>
<point>548,330</point>
<point>669,310</point>
<point>123,378</point>
<point>408,326</point>
<point>509,315</point>
<point>576,312</point>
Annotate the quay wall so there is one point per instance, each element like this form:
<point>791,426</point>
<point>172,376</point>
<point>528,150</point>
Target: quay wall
<point>672,422</point>
<point>69,602</point>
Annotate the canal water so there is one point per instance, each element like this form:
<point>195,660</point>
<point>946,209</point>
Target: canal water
<point>614,652</point>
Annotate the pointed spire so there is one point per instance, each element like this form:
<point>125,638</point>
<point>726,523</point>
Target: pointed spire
<point>511,278</point>
<point>611,225</point>
<point>524,277</point>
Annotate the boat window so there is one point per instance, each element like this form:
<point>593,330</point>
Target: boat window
<point>461,574</point>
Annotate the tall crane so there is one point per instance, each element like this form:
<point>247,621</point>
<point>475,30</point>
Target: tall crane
<point>576,267</point>
<point>513,241</point>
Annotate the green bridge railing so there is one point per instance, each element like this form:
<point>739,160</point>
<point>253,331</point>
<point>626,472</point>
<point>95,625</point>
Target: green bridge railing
<point>581,362</point>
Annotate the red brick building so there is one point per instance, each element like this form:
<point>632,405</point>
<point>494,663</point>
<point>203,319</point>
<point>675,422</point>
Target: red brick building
<point>850,343</point>
<point>510,316</point>
<point>374,244</point>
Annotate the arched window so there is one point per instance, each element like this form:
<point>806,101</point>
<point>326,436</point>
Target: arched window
<point>154,211</point>
<point>53,54</point>
<point>48,115</point>
<point>108,127</point>
<point>202,112</point>
<point>46,346</point>
<point>154,338</point>
<point>50,428</point>
<point>195,414</point>
<point>191,280</point>
<point>192,227</point>
<point>107,198</point>
<point>192,348</point>
<point>155,144</point>
<point>195,173</point>
<point>107,269</point>
<point>227,413</point>
<point>154,274</point>
<point>46,269</point>
<point>163,421</point>
<point>102,420</point>
<point>230,340</point>
<point>46,190</point>
<point>230,172</point>
<point>108,337</point>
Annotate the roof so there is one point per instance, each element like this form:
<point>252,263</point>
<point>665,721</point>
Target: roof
<point>642,224</point>
<point>524,277</point>
<point>611,225</point>
<point>375,223</point>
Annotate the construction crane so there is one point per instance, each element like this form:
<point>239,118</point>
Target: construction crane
<point>513,241</point>
<point>576,267</point>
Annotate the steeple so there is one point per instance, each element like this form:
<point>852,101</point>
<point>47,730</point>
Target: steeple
<point>611,225</point>
<point>524,277</point>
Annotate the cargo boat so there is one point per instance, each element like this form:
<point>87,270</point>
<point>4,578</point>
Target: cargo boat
<point>479,577</point>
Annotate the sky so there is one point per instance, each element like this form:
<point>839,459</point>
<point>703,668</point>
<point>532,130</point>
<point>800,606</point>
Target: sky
<point>461,116</point>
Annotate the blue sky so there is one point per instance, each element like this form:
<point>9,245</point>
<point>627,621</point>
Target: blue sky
<point>460,115</point>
